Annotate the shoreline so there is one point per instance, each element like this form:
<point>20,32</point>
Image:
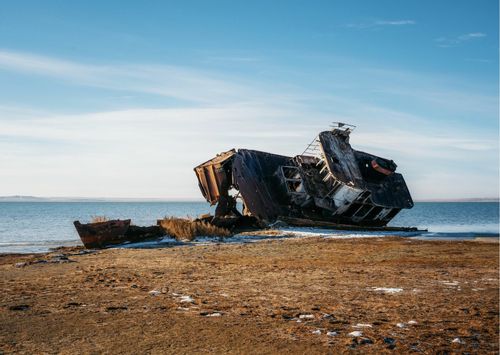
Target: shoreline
<point>299,294</point>
<point>289,232</point>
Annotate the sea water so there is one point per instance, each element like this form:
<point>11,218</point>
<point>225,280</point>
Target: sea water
<point>38,226</point>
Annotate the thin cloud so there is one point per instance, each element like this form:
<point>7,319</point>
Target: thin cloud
<point>182,83</point>
<point>219,113</point>
<point>395,23</point>
<point>445,42</point>
<point>380,23</point>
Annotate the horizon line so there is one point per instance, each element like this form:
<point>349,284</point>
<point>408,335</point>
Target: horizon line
<point>27,198</point>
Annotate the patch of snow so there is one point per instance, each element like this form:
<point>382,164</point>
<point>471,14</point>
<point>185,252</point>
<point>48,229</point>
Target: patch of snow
<point>182,309</point>
<point>215,314</point>
<point>154,292</point>
<point>362,325</point>
<point>356,333</point>
<point>186,299</point>
<point>400,325</point>
<point>317,332</point>
<point>332,334</point>
<point>458,341</point>
<point>306,316</point>
<point>390,290</point>
<point>413,322</point>
<point>450,283</point>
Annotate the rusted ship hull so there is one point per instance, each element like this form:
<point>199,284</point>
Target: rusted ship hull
<point>330,182</point>
<point>103,234</point>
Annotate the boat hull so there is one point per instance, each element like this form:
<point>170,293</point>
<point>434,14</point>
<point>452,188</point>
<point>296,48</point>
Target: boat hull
<point>103,234</point>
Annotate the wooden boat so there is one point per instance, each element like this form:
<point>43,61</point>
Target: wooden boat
<point>102,234</point>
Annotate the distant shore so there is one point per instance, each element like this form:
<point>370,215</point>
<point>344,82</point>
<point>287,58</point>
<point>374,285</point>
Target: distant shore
<point>23,198</point>
<point>310,295</point>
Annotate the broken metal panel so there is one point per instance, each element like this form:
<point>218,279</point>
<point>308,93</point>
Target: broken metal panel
<point>214,176</point>
<point>256,175</point>
<point>339,159</point>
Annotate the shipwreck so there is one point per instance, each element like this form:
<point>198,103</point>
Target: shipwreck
<point>330,184</point>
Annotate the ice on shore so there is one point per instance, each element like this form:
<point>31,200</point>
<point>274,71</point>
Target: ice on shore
<point>413,322</point>
<point>332,334</point>
<point>215,314</point>
<point>390,290</point>
<point>400,325</point>
<point>154,292</point>
<point>306,316</point>
<point>458,341</point>
<point>186,299</point>
<point>356,333</point>
<point>362,325</point>
<point>450,283</point>
<point>317,332</point>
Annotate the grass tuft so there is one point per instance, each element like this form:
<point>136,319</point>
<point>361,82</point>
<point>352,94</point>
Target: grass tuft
<point>188,229</point>
<point>98,219</point>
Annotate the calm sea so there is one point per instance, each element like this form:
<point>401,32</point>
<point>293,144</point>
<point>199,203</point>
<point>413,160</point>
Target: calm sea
<point>38,226</point>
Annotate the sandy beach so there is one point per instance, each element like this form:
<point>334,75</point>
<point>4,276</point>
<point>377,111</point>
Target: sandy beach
<point>312,295</point>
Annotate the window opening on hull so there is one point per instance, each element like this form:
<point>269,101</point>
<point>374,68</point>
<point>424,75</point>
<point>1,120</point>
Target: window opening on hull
<point>293,179</point>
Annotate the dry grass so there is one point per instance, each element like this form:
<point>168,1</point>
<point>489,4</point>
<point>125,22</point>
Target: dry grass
<point>98,219</point>
<point>188,229</point>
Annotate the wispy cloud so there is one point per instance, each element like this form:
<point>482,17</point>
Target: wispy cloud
<point>380,23</point>
<point>395,23</point>
<point>182,83</point>
<point>445,42</point>
<point>217,113</point>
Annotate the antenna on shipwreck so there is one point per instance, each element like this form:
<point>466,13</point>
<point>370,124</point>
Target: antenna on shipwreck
<point>341,127</point>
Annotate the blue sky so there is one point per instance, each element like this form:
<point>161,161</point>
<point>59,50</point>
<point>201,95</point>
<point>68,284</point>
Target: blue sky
<point>122,99</point>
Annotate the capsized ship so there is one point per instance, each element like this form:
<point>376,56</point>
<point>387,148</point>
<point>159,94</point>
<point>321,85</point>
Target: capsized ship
<point>330,183</point>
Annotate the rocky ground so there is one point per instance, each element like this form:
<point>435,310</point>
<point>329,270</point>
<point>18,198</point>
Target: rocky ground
<point>309,295</point>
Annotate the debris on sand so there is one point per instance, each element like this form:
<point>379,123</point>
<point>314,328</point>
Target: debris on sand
<point>19,307</point>
<point>306,316</point>
<point>48,259</point>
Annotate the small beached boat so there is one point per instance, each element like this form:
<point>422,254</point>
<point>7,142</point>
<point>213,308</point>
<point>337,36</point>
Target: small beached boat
<point>99,234</point>
<point>102,234</point>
